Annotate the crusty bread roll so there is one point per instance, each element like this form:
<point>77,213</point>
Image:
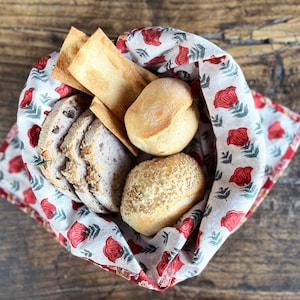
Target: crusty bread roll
<point>159,191</point>
<point>164,118</point>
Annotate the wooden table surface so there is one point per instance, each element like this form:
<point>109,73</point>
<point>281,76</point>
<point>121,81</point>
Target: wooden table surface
<point>262,259</point>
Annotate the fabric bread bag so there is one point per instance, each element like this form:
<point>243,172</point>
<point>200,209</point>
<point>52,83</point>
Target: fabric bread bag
<point>239,132</point>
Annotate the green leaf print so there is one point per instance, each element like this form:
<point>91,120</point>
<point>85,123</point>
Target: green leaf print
<point>249,191</point>
<point>84,211</point>
<point>179,37</point>
<point>223,193</point>
<point>87,253</point>
<point>40,75</point>
<point>15,185</point>
<point>250,150</point>
<point>165,236</point>
<point>218,175</point>
<point>229,69</point>
<point>226,157</point>
<point>204,81</point>
<point>59,215</point>
<point>215,239</point>
<point>149,249</point>
<point>17,143</point>
<point>198,257</point>
<point>258,128</point>
<point>93,231</point>
<point>142,53</point>
<point>207,211</point>
<point>37,160</point>
<point>239,110</point>
<point>275,151</point>
<point>197,52</point>
<point>217,121</point>
<point>126,254</point>
<point>33,111</point>
<point>37,182</point>
<point>45,98</point>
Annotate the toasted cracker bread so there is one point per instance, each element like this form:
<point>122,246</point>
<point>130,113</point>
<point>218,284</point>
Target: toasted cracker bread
<point>103,70</point>
<point>72,43</point>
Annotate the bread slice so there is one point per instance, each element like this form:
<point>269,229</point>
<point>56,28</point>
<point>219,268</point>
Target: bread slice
<point>54,129</point>
<point>75,167</point>
<point>108,163</point>
<point>111,122</point>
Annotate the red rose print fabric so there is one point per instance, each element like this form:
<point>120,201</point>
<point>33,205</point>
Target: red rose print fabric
<point>244,143</point>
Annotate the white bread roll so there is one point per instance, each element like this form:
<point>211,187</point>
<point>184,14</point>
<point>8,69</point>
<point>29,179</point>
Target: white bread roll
<point>164,118</point>
<point>158,192</point>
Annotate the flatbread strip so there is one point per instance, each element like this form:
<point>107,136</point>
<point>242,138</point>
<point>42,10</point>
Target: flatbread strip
<point>111,122</point>
<point>103,70</point>
<point>72,43</point>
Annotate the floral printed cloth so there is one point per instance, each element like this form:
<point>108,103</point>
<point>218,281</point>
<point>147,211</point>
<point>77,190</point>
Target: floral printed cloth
<point>245,141</point>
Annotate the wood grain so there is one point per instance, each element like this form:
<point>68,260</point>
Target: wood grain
<point>262,259</point>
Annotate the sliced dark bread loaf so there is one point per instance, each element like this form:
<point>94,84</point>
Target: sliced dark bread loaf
<point>108,163</point>
<point>54,129</point>
<point>75,167</point>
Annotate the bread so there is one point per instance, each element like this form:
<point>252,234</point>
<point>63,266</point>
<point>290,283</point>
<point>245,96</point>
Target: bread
<point>164,118</point>
<point>159,191</point>
<point>103,70</point>
<point>108,163</point>
<point>111,122</point>
<point>72,43</point>
<point>75,166</point>
<point>54,129</point>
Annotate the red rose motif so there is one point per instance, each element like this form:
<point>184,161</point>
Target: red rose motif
<point>27,98</point>
<point>62,239</point>
<point>33,134</point>
<point>63,90</point>
<point>135,248</point>
<point>198,239</point>
<point>156,60</point>
<point>38,218</point>
<point>76,205</point>
<point>182,57</point>
<point>3,146</point>
<point>226,98</point>
<point>163,264</point>
<point>215,59</point>
<point>27,171</point>
<point>151,36</point>
<point>290,152</point>
<point>3,194</point>
<point>238,137</point>
<point>268,184</point>
<point>121,45</point>
<point>112,249</point>
<point>48,208</point>
<point>232,219</point>
<point>41,64</point>
<point>275,131</point>
<point>77,233</point>
<point>241,176</point>
<point>258,101</point>
<point>186,227</point>
<point>16,164</point>
<point>167,267</point>
<point>29,197</point>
